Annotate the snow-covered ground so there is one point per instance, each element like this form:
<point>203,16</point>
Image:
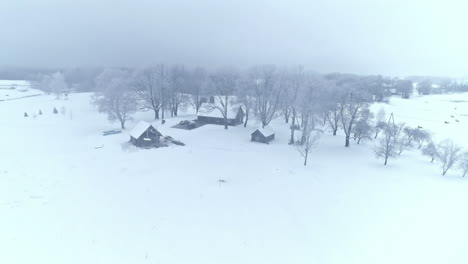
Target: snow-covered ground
<point>62,200</point>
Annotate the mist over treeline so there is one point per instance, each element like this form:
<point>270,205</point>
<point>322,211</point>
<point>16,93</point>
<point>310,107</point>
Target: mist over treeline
<point>83,79</point>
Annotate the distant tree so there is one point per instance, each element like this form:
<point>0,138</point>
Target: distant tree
<point>40,112</point>
<point>55,111</point>
<point>430,150</point>
<point>375,86</point>
<point>115,98</point>
<point>404,88</point>
<point>448,155</point>
<point>224,82</point>
<point>26,114</point>
<point>424,87</point>
<point>464,163</point>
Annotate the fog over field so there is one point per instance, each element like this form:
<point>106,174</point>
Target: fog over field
<point>395,37</point>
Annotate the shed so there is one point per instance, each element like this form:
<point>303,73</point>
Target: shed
<point>263,134</point>
<point>144,135</point>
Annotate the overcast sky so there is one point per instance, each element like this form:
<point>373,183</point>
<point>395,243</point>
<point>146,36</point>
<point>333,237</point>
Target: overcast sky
<point>393,37</point>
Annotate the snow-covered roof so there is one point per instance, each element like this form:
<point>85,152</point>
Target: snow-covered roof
<point>139,129</point>
<point>266,131</point>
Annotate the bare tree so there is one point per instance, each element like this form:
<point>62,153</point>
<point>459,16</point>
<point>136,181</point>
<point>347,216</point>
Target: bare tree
<point>293,83</point>
<point>448,155</point>
<point>431,151</point>
<point>333,113</point>
<point>464,163</point>
<point>178,86</point>
<point>266,92</point>
<point>224,82</point>
<point>148,86</point>
<point>197,86</point>
<point>115,98</point>
<point>245,96</point>
<point>311,136</point>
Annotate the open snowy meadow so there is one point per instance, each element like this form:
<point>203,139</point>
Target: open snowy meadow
<point>68,194</point>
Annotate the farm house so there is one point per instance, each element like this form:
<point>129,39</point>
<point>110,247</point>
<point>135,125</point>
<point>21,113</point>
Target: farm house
<point>263,135</point>
<point>211,114</point>
<point>144,135</point>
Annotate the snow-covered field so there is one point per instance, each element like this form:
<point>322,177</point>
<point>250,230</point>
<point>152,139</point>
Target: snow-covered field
<point>16,89</point>
<point>64,201</point>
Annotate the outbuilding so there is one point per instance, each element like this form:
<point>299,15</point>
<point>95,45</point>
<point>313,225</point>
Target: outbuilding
<point>263,135</point>
<point>144,135</point>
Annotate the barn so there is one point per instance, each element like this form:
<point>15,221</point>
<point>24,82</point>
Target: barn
<point>144,135</point>
<point>211,114</point>
<point>263,135</point>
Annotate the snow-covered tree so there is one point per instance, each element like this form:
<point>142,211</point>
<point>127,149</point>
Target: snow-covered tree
<point>431,151</point>
<point>448,155</point>
<point>363,130</point>
<point>353,104</point>
<point>421,136</point>
<point>55,84</point>
<point>115,97</point>
<point>406,139</point>
<point>388,145</point>
<point>380,122</point>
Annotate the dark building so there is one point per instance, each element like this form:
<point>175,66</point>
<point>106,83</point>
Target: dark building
<point>144,135</point>
<point>210,114</point>
<point>263,135</point>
